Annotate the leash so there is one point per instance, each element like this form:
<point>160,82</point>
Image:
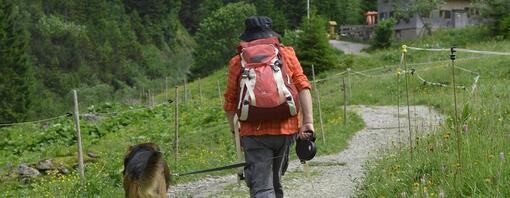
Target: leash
<point>237,165</point>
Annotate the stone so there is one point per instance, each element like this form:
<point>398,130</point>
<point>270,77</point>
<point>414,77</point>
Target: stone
<point>92,154</point>
<point>63,170</point>
<point>90,117</point>
<point>27,171</point>
<point>44,165</point>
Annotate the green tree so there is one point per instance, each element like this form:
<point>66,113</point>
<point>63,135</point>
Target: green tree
<point>267,8</point>
<point>383,33</point>
<point>294,11</point>
<point>218,35</point>
<point>313,46</point>
<point>498,10</point>
<point>15,86</point>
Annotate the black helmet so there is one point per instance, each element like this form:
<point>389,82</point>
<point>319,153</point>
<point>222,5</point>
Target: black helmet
<point>306,149</point>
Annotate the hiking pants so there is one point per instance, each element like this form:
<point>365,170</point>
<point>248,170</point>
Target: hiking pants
<point>267,158</point>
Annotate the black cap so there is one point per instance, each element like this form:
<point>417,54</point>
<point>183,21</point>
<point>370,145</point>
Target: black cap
<point>258,27</point>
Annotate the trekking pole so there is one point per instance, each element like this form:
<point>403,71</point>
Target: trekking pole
<point>237,138</point>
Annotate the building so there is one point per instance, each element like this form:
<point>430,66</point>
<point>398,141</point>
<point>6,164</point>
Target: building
<point>450,14</point>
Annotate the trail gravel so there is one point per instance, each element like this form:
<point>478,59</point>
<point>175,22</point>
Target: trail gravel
<point>332,175</point>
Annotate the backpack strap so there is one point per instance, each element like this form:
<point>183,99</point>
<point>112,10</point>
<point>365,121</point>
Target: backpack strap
<point>247,84</point>
<point>283,91</point>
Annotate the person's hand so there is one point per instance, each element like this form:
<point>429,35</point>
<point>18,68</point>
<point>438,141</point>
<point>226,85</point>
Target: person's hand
<point>302,134</point>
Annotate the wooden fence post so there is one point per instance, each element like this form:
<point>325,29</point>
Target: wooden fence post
<point>349,81</point>
<point>219,91</point>
<point>317,93</point>
<point>176,125</point>
<point>185,91</point>
<point>200,89</point>
<point>345,101</point>
<point>78,136</point>
<point>166,88</point>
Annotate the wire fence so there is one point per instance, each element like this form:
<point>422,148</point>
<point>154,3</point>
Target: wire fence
<point>376,72</point>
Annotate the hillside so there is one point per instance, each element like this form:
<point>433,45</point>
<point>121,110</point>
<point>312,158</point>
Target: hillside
<point>204,140</point>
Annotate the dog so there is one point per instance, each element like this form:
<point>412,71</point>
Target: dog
<point>146,173</point>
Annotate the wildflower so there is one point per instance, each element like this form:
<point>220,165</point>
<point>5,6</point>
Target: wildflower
<point>502,156</point>
<point>487,180</point>
<point>446,136</point>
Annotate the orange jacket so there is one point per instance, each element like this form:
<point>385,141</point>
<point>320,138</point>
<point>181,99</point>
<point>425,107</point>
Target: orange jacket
<point>276,127</point>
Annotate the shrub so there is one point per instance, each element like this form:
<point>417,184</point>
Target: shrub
<point>383,33</point>
<point>313,47</point>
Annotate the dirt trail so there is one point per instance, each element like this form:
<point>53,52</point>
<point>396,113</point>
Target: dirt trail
<point>332,175</point>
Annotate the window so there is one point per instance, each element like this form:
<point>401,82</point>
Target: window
<point>445,14</point>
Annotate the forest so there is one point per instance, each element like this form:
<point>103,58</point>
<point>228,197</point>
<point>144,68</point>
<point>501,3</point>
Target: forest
<point>115,50</point>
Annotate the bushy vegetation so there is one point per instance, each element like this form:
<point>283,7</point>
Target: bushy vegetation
<point>383,34</point>
<point>219,36</point>
<point>313,48</point>
<point>115,50</point>
<point>434,169</point>
<point>498,11</point>
<point>204,142</point>
<point>15,70</point>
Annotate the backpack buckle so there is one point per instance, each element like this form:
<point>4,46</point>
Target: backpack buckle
<point>245,73</point>
<point>276,65</point>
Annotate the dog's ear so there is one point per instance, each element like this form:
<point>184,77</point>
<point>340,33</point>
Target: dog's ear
<point>153,146</point>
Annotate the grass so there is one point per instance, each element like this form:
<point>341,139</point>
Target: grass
<point>483,170</point>
<point>204,142</point>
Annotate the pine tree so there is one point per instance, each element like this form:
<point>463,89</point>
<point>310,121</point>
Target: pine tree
<point>14,64</point>
<point>313,46</point>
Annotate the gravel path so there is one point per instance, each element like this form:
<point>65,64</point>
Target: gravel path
<point>348,47</point>
<point>332,175</point>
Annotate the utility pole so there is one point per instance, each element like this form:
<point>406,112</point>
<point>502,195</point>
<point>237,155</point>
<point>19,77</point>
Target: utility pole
<point>308,9</point>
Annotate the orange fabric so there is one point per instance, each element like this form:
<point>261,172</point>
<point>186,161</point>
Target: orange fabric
<point>277,127</point>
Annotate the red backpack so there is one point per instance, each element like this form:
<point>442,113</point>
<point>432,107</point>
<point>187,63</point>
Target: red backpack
<point>266,89</point>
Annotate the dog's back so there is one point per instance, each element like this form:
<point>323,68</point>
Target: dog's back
<point>146,173</point>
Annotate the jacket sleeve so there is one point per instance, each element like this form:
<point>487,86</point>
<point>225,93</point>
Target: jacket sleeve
<point>298,77</point>
<point>231,94</point>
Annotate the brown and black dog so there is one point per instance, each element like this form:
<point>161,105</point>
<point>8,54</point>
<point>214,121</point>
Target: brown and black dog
<point>146,174</point>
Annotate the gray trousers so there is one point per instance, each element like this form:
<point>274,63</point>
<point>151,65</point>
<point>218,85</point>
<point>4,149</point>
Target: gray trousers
<point>266,158</point>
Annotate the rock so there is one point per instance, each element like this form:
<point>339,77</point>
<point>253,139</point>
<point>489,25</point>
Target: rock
<point>90,117</point>
<point>27,171</point>
<point>92,154</point>
<point>63,170</point>
<point>44,165</point>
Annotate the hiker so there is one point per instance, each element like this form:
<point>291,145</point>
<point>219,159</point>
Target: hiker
<point>267,90</point>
